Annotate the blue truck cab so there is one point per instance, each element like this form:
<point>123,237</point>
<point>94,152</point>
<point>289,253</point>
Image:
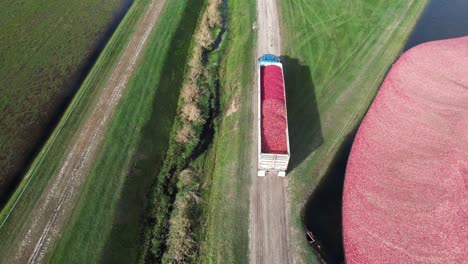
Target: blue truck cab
<point>268,58</point>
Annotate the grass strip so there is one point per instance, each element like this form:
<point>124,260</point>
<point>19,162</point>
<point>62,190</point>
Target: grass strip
<point>225,236</point>
<point>110,217</point>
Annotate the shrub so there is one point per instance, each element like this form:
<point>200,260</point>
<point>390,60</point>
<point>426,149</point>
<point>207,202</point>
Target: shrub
<point>190,112</point>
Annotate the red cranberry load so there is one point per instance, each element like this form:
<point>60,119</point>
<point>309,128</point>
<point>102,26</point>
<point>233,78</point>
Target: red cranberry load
<point>274,122</point>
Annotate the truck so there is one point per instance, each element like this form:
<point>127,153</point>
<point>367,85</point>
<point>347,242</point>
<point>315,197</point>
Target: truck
<point>273,135</point>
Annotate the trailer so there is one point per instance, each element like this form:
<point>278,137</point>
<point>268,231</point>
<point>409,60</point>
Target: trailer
<point>273,143</point>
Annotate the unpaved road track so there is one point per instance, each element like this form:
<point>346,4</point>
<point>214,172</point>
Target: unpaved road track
<point>269,212</point>
<point>54,207</point>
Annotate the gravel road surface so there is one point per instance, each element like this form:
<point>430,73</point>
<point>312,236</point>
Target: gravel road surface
<point>269,211</point>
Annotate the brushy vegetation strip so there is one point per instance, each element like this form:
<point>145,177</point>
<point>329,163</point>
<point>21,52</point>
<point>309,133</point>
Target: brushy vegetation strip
<point>45,47</point>
<point>12,216</point>
<point>337,53</point>
<point>175,209</point>
<point>181,244</point>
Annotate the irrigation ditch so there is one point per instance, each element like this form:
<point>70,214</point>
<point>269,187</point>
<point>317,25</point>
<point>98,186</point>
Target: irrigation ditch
<point>174,212</point>
<point>186,170</point>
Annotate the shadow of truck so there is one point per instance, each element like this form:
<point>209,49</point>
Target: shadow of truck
<point>305,132</point>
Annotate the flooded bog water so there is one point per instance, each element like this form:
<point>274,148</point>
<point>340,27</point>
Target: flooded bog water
<point>442,19</point>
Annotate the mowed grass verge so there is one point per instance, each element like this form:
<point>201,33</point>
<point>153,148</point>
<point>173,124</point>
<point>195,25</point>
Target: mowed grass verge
<point>45,48</point>
<point>225,236</point>
<point>110,218</point>
<point>13,215</point>
<point>336,55</point>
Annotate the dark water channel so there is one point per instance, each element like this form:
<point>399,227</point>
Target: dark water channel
<point>208,131</point>
<point>441,19</point>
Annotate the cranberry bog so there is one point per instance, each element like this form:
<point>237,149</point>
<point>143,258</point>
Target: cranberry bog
<point>405,195</point>
<point>47,48</point>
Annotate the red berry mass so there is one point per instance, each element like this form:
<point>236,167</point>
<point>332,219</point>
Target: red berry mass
<point>273,111</point>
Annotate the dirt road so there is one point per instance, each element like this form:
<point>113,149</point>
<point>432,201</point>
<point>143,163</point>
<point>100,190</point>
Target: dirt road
<point>269,211</point>
<point>47,220</point>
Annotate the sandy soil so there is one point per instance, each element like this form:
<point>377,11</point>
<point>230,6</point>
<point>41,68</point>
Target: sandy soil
<point>269,211</point>
<point>405,195</point>
<point>55,206</point>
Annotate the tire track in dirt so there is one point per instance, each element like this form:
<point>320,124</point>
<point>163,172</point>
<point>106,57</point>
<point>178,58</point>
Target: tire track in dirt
<point>269,210</point>
<point>56,203</point>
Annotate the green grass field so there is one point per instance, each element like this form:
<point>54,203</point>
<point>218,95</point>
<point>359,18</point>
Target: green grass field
<point>44,48</point>
<point>107,224</point>
<point>337,53</point>
<point>47,161</point>
<point>225,236</point>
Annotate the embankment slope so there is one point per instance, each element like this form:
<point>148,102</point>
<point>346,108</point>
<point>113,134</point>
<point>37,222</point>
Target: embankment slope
<point>405,195</point>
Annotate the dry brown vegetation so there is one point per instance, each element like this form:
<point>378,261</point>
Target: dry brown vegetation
<point>180,242</point>
<point>184,134</point>
<point>189,110</point>
<point>190,93</point>
<point>233,107</point>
